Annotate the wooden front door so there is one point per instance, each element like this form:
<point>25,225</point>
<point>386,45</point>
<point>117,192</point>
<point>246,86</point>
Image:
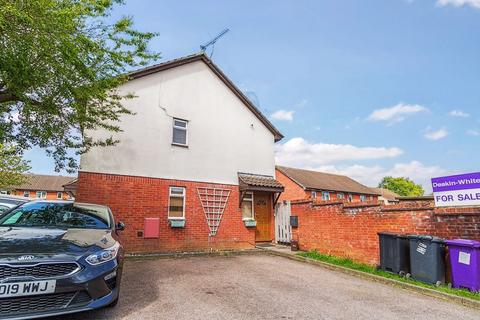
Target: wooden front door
<point>263,216</point>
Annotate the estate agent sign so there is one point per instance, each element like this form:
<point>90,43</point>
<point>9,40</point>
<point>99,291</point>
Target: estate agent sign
<point>458,190</point>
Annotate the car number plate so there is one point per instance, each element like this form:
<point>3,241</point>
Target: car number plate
<point>30,288</point>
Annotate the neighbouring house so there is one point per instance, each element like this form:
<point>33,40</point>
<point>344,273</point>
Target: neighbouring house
<point>308,184</point>
<point>194,168</point>
<point>41,186</point>
<point>386,196</point>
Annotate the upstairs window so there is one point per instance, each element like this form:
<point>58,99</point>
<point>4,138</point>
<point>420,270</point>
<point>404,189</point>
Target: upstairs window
<point>179,132</point>
<point>176,203</point>
<point>325,195</point>
<point>247,206</point>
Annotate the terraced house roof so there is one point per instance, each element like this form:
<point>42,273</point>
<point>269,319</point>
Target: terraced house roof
<point>43,182</point>
<point>315,180</point>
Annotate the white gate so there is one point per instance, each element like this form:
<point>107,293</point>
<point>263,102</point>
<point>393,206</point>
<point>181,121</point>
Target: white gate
<point>283,230</point>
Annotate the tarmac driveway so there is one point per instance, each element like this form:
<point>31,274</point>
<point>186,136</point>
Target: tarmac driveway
<point>259,286</point>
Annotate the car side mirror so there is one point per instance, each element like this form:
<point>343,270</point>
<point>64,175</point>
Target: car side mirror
<point>120,226</point>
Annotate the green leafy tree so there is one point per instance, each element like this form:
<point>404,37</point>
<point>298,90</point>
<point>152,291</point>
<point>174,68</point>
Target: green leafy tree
<point>402,186</point>
<point>61,62</point>
<point>12,167</point>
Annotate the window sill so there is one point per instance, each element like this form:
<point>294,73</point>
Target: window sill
<point>180,145</point>
<point>250,223</point>
<point>176,223</point>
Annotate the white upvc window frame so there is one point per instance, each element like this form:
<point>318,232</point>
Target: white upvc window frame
<point>252,202</point>
<point>326,195</point>
<point>340,195</point>
<point>170,195</point>
<point>313,194</point>
<point>26,194</point>
<point>350,197</point>
<point>363,198</point>
<point>43,194</point>
<point>177,127</point>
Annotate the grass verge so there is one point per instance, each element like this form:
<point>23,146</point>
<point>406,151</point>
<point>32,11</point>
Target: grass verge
<point>348,263</point>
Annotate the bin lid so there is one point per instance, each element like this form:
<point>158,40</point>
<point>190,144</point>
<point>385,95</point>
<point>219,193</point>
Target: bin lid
<point>464,243</point>
<point>391,234</point>
<point>426,238</point>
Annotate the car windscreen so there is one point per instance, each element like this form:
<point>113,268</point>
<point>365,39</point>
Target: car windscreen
<point>57,215</point>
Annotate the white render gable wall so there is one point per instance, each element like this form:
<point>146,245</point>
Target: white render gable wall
<point>224,136</point>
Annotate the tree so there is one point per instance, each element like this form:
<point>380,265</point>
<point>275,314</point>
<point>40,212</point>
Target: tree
<point>61,63</point>
<point>12,167</point>
<point>402,186</point>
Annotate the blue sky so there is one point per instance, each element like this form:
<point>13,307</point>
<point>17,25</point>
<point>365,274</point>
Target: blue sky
<point>364,88</point>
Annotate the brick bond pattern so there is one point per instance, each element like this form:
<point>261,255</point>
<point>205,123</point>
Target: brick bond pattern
<point>350,230</point>
<point>132,199</point>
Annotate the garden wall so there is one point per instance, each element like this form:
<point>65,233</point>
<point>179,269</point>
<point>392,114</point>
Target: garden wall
<point>350,230</point>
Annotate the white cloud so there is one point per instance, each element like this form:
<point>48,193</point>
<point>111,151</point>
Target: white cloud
<point>372,175</point>
<point>298,152</point>
<point>472,132</point>
<point>436,134</point>
<point>459,113</point>
<point>283,115</point>
<point>459,3</point>
<point>396,113</point>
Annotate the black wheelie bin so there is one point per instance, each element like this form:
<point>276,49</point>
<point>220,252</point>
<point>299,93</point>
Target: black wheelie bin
<point>427,259</point>
<point>394,253</point>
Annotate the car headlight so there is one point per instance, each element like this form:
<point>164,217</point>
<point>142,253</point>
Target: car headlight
<point>103,255</point>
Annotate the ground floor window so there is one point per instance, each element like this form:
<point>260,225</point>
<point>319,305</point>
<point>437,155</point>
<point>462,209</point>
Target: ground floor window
<point>247,206</point>
<point>26,194</point>
<point>350,197</point>
<point>59,195</point>
<point>325,195</point>
<point>176,203</point>
<point>314,194</point>
<point>363,198</point>
<point>340,196</point>
<point>41,194</point>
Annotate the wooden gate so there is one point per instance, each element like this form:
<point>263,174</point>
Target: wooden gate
<point>283,230</point>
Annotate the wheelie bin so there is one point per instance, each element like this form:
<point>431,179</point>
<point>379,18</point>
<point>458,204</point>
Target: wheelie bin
<point>465,262</point>
<point>427,259</point>
<point>394,253</point>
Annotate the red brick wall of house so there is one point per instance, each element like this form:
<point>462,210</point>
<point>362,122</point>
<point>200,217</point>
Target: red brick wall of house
<point>295,192</point>
<point>350,230</point>
<point>292,190</point>
<point>132,199</point>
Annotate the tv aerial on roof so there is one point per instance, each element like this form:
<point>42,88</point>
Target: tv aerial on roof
<point>211,43</point>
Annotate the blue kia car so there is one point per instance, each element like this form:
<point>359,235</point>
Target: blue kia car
<point>58,257</point>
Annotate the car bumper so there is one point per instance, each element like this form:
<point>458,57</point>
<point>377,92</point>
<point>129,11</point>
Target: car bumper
<point>86,290</point>
<point>95,304</point>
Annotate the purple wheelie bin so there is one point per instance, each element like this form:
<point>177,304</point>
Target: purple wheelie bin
<point>465,261</point>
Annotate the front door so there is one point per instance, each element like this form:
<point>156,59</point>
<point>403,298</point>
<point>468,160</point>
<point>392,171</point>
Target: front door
<point>263,216</point>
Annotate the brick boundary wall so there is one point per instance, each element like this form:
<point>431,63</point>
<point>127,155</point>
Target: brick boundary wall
<point>350,230</point>
<point>132,199</point>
